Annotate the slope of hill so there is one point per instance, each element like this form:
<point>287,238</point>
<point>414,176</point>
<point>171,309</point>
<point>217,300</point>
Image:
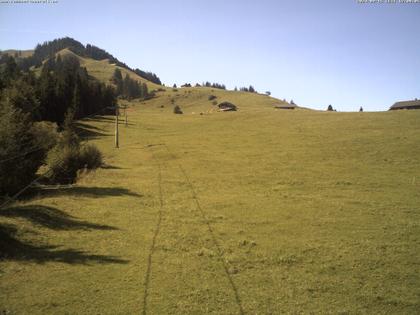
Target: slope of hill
<point>103,71</point>
<point>256,211</point>
<point>29,58</point>
<point>17,53</point>
<point>195,100</point>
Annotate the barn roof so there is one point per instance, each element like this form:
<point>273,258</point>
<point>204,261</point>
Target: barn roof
<point>285,106</point>
<point>405,104</point>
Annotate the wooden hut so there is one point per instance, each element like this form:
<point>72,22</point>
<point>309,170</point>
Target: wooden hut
<point>414,104</point>
<point>226,107</point>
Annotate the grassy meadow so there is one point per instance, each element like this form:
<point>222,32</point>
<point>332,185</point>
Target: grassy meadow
<point>259,211</point>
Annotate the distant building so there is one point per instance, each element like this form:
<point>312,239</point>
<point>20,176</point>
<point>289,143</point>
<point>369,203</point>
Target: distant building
<point>226,106</point>
<point>286,106</point>
<point>414,104</point>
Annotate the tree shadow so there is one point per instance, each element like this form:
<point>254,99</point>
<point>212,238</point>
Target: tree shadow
<point>93,192</point>
<point>12,248</point>
<point>100,118</point>
<point>109,120</point>
<point>51,218</point>
<point>87,126</point>
<point>87,131</point>
<point>111,167</point>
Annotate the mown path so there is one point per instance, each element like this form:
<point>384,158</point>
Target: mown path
<point>188,186</point>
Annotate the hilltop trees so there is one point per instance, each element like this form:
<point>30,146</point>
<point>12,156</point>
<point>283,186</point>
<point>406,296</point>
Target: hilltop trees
<point>148,76</point>
<point>129,88</point>
<point>48,49</point>
<point>330,108</point>
<point>248,89</point>
<point>214,85</point>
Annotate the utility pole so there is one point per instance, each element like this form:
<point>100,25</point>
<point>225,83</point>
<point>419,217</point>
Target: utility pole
<point>116,126</point>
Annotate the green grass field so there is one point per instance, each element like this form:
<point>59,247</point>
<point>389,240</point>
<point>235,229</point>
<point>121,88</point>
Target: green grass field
<point>259,211</point>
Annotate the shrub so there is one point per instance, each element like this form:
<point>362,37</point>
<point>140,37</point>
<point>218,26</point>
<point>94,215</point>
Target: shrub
<point>63,164</point>
<point>212,97</point>
<point>177,110</point>
<point>65,159</point>
<point>90,157</point>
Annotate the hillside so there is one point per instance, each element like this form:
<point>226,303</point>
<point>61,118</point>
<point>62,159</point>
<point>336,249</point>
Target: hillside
<point>17,53</point>
<point>102,70</point>
<point>97,59</point>
<point>256,211</point>
<point>195,100</point>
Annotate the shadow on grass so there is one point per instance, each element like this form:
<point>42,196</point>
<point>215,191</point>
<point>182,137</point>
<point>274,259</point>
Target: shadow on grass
<point>111,167</point>
<point>12,248</point>
<point>99,118</point>
<point>109,120</point>
<point>87,131</point>
<point>93,192</point>
<point>51,218</point>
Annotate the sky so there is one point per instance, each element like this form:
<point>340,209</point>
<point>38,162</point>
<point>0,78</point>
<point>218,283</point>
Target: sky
<point>340,52</point>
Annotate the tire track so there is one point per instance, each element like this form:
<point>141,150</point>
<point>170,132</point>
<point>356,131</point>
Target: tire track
<point>155,235</point>
<point>212,234</point>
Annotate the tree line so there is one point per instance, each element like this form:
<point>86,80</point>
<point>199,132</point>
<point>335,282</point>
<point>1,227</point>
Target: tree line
<point>61,86</point>
<point>129,88</point>
<point>250,89</point>
<point>62,92</point>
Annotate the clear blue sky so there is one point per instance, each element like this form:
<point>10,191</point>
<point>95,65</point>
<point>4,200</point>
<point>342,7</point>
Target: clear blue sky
<point>317,53</point>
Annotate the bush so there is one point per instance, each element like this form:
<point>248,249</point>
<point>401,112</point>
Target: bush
<point>177,110</point>
<point>212,97</point>
<point>67,156</point>
<point>90,157</point>
<point>63,162</point>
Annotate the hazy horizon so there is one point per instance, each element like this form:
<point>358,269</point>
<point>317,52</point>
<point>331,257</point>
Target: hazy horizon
<point>314,52</point>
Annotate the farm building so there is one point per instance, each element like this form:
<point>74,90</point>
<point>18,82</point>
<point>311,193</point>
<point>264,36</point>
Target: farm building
<point>226,106</point>
<point>286,106</point>
<point>414,104</point>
